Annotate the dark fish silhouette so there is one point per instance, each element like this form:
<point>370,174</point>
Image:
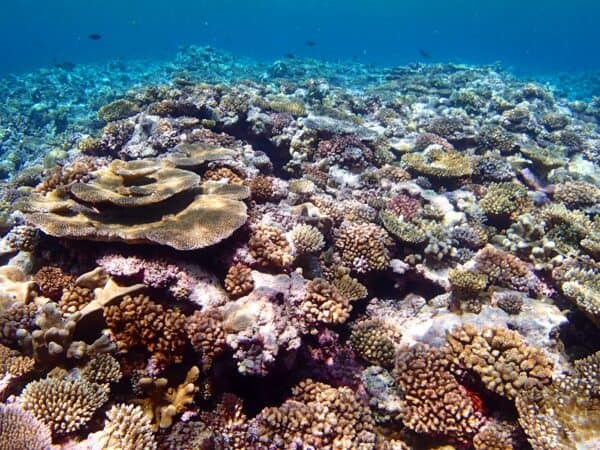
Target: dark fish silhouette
<point>65,65</point>
<point>311,43</point>
<point>289,56</point>
<point>95,36</point>
<point>424,53</point>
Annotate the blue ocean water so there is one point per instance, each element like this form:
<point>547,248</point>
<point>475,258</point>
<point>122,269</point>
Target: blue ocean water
<point>531,37</point>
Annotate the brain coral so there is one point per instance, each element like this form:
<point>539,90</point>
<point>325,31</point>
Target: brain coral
<point>65,405</point>
<point>505,363</point>
<point>20,430</point>
<point>142,202</point>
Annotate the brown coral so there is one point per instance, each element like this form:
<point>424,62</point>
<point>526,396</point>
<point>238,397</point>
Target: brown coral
<point>51,281</point>
<point>238,281</point>
<point>439,163</point>
<point>140,321</point>
<point>504,362</point>
<point>269,247</point>
<point>65,405</point>
<point>363,246</point>
<point>577,193</point>
<point>20,430</point>
<point>261,188</point>
<point>434,402</point>
<point>206,333</point>
<point>74,298</point>
<point>13,363</point>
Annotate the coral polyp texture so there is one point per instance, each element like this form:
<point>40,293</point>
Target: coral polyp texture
<point>219,253</point>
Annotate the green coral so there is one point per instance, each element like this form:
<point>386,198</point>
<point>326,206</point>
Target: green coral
<point>405,232</point>
<point>117,110</point>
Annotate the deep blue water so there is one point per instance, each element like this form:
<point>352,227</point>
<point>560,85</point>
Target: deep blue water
<point>531,36</point>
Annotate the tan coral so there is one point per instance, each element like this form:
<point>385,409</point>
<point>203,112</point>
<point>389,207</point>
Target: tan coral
<point>373,342</point>
<point>14,363</point>
<point>363,246</point>
<point>126,428</point>
<point>439,163</point>
<point>504,362</point>
<point>74,298</point>
<point>163,402</point>
<point>324,304</point>
<point>65,405</point>
<point>307,239</point>
<point>102,369</point>
<point>142,212</point>
<point>194,155</point>
<point>269,247</point>
<point>20,430</point>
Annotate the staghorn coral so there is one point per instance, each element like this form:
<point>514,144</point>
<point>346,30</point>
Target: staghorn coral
<point>228,425</point>
<point>77,171</point>
<point>22,238</point>
<point>504,362</point>
<point>238,281</point>
<point>324,304</point>
<point>363,247</point>
<point>424,140</point>
<point>139,321</point>
<point>269,247</point>
<point>144,190</point>
<point>126,428</point>
<point>373,342</point>
<point>64,404</point>
<point>580,282</point>
<point>494,435</point>
<point>496,138</point>
<point>319,416</point>
<point>405,206</point>
<point>306,239</point>
<point>434,403</point>
<point>162,402</point>
<point>205,332</point>
<point>191,435</point>
<point>261,188</point>
<point>511,302</point>
<point>436,162</point>
<point>20,430</point>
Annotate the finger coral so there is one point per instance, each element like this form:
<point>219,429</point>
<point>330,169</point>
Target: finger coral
<point>504,362</point>
<point>238,281</point>
<point>20,430</point>
<point>324,304</point>
<point>65,405</point>
<point>269,247</point>
<point>206,333</point>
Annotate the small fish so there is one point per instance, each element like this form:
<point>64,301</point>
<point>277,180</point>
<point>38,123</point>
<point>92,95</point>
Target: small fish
<point>311,43</point>
<point>65,65</point>
<point>289,56</point>
<point>95,36</point>
<point>424,53</point>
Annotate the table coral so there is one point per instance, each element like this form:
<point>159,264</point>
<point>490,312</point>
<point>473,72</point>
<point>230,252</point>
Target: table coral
<point>504,362</point>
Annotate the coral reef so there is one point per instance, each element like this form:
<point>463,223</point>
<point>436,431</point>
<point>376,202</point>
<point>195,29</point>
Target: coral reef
<point>20,430</point>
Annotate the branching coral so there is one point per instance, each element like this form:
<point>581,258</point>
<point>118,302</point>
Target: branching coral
<point>13,363</point>
<point>102,369</point>
<point>126,428</point>
<point>373,342</point>
<point>348,151</point>
<point>579,280</point>
<point>434,402</point>
<point>269,247</point>
<point>504,200</point>
<point>206,333</point>
<point>505,363</point>
<point>64,404</point>
<point>324,304</point>
<point>238,281</point>
<point>577,194</point>
<point>566,414</point>
<point>20,430</point>
<point>139,321</point>
<point>163,403</point>
<point>363,246</point>
<point>51,281</point>
<point>306,239</point>
<point>320,416</point>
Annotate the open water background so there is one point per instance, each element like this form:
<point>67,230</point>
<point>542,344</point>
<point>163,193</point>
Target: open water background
<point>529,36</point>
